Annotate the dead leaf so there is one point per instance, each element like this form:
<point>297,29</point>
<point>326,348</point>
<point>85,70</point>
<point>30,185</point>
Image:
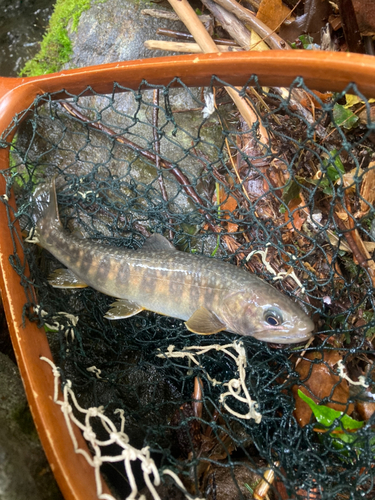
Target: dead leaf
<point>365,409</point>
<point>232,228</point>
<point>362,248</point>
<point>342,215</point>
<point>227,207</point>
<point>229,204</point>
<point>297,219</point>
<point>368,188</point>
<point>272,13</point>
<point>364,115</point>
<point>315,16</point>
<point>312,100</point>
<point>365,14</point>
<point>349,180</point>
<point>322,383</point>
<point>335,22</point>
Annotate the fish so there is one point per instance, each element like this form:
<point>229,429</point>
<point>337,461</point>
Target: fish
<point>209,295</point>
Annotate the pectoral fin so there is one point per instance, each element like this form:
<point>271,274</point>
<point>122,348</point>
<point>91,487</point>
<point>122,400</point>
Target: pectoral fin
<point>204,322</point>
<point>123,308</point>
<point>64,278</point>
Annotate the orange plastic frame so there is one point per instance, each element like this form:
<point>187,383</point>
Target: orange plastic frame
<point>320,70</point>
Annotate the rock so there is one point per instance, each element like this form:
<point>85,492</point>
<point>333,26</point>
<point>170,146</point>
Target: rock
<point>116,31</point>
<point>24,470</point>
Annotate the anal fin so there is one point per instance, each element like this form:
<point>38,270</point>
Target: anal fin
<point>123,308</point>
<point>204,322</point>
<point>65,278</point>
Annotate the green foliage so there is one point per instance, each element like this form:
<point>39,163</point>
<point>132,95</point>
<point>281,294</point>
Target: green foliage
<point>291,191</point>
<point>369,317</point>
<point>344,117</point>
<point>329,417</point>
<point>306,40</point>
<point>56,47</point>
<point>334,170</point>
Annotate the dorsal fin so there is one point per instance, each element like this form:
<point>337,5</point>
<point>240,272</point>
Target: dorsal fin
<point>158,242</point>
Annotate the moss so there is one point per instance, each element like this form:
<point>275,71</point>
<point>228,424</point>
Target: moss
<point>56,47</point>
<point>24,419</point>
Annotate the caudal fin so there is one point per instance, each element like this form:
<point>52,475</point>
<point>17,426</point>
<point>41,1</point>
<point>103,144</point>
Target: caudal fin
<point>45,209</point>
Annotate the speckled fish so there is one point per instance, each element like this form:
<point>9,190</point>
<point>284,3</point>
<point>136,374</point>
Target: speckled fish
<point>208,294</point>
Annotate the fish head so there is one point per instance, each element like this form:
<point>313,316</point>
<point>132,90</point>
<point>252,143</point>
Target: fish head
<point>267,315</point>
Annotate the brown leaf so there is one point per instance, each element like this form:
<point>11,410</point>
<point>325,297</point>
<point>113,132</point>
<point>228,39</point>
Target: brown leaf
<point>230,204</point>
<point>272,13</point>
<point>365,115</point>
<point>232,228</point>
<point>311,100</point>
<point>322,383</point>
<point>365,14</point>
<point>335,22</point>
<point>297,219</point>
<point>227,204</point>
<point>342,214</point>
<point>365,409</point>
<point>368,188</point>
<point>349,181</point>
<point>315,16</point>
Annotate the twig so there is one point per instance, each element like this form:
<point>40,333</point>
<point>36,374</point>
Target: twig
<point>181,35</point>
<point>167,14</point>
<point>180,176</point>
<point>233,26</point>
<point>190,48</point>
<point>267,35</point>
<point>196,28</point>
<point>155,123</point>
<point>362,261</point>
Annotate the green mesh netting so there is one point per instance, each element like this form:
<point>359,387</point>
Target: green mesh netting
<point>138,162</point>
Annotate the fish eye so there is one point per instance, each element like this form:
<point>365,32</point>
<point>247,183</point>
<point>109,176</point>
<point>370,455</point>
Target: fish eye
<point>273,318</point>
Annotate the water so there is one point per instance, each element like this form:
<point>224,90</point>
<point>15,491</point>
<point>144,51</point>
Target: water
<point>22,26</point>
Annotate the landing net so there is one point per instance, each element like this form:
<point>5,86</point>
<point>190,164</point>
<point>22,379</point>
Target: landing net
<point>209,416</point>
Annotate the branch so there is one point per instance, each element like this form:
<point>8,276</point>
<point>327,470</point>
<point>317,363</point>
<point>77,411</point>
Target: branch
<point>181,35</point>
<point>196,28</point>
<point>236,29</point>
<point>180,176</point>
<point>190,48</point>
<point>167,14</point>
<point>268,36</point>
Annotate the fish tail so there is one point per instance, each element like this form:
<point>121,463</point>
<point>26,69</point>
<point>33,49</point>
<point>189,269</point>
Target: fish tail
<point>46,210</point>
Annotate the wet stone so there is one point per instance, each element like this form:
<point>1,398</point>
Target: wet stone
<point>24,470</point>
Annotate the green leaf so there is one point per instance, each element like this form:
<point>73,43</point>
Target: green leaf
<point>307,42</point>
<point>334,165</point>
<point>327,416</point>
<point>249,488</point>
<point>291,191</point>
<point>344,117</point>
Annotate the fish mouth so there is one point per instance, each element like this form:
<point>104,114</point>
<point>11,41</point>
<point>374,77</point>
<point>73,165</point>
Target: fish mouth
<point>282,335</point>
